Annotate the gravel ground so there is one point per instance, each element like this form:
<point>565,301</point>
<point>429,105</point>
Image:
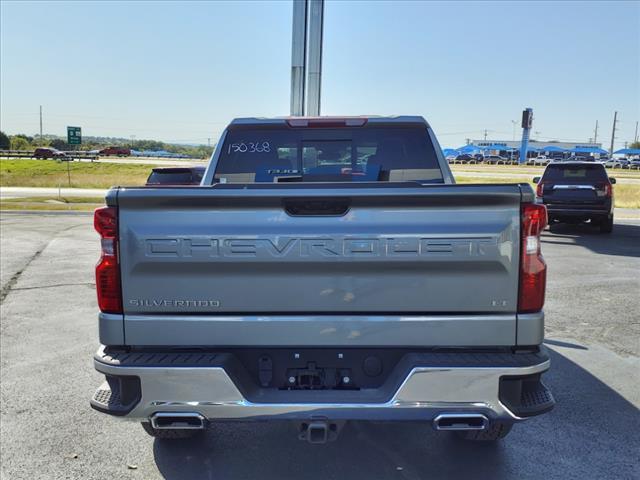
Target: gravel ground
<point>48,333</point>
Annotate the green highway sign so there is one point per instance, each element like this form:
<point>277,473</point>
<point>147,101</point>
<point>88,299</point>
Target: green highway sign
<point>74,135</point>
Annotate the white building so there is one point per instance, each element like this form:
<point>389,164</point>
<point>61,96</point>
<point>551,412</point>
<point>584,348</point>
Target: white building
<point>535,143</point>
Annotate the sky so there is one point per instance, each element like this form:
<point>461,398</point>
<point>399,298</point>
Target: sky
<point>180,71</point>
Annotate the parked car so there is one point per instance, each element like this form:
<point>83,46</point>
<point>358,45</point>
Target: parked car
<point>175,176</point>
<point>617,163</point>
<point>635,164</point>
<point>576,192</point>
<point>494,159</point>
<point>314,285</point>
<point>541,160</point>
<point>465,157</point>
<point>48,152</point>
<point>119,151</point>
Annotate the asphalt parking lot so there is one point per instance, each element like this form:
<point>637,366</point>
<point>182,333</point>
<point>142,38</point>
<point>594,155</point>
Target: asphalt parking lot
<point>48,333</point>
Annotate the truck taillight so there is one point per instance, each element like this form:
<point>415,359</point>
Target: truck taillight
<point>105,221</point>
<point>533,269</point>
<point>540,189</point>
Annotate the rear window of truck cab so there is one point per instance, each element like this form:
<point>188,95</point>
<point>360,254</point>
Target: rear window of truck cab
<point>367,154</point>
<point>575,173</point>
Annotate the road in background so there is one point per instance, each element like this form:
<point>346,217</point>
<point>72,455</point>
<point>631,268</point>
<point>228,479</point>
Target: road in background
<point>23,192</point>
<point>158,162</point>
<point>48,333</point>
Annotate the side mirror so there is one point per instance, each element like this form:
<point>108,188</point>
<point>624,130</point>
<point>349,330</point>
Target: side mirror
<point>612,180</point>
<point>536,179</point>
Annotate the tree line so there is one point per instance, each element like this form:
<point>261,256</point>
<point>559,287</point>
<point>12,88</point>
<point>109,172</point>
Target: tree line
<point>26,142</point>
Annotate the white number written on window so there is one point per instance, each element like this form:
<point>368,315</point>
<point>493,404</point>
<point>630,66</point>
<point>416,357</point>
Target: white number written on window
<point>249,147</point>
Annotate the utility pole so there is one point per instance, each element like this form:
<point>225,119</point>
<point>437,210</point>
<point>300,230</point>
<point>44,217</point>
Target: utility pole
<point>208,141</point>
<point>514,123</point>
<point>595,133</point>
<point>41,125</point>
<point>635,136</point>
<point>613,131</point>
<point>485,133</point>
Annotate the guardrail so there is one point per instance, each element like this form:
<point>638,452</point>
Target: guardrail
<point>84,155</point>
<point>73,155</point>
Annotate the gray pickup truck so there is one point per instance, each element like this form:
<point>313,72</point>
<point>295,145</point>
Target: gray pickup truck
<point>326,269</point>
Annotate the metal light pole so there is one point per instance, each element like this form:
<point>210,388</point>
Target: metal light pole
<point>314,56</point>
<point>298,56</point>
<point>306,57</point>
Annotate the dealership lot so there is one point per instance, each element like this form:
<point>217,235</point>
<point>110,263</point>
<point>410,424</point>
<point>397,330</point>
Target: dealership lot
<point>49,333</point>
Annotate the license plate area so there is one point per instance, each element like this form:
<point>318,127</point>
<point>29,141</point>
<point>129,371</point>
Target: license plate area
<point>312,377</point>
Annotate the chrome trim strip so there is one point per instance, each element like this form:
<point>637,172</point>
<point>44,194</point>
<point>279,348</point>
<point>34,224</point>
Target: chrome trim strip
<point>573,187</point>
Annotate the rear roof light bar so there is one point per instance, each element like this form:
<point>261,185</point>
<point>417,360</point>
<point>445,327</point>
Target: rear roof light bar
<point>326,122</point>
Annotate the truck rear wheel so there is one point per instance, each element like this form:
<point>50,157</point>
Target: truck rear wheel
<point>170,434</point>
<point>496,431</point>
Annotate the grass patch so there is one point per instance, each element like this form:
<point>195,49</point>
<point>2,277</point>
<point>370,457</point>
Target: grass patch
<point>50,173</point>
<point>625,195</point>
<point>528,170</point>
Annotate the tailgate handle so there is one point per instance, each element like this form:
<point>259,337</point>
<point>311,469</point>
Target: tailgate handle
<point>326,207</point>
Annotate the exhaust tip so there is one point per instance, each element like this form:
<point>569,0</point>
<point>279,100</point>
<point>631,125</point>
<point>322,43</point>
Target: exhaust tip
<point>461,421</point>
<point>177,421</point>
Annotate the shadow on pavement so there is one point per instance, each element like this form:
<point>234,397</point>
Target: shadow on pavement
<point>624,240</point>
<point>592,433</point>
<point>558,343</point>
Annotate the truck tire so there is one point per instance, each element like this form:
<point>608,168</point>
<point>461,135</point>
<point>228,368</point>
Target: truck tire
<point>606,225</point>
<point>169,434</point>
<point>496,431</point>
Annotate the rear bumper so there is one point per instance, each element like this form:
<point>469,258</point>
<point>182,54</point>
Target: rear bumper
<point>585,211</point>
<point>501,386</point>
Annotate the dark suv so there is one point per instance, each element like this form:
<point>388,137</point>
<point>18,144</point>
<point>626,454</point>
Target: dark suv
<point>46,152</point>
<point>575,192</point>
<point>175,176</point>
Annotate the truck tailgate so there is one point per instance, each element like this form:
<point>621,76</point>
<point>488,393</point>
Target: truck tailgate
<point>280,250</point>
